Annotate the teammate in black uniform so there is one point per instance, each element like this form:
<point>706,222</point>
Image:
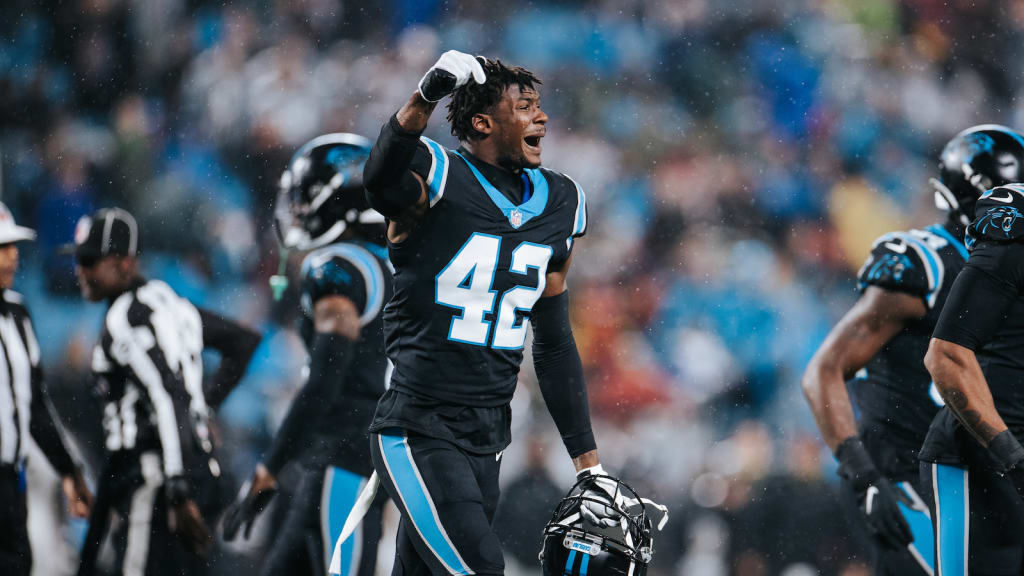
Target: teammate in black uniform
<point>481,239</point>
<point>346,279</point>
<point>148,373</point>
<point>880,345</point>
<point>979,337</point>
<point>972,459</point>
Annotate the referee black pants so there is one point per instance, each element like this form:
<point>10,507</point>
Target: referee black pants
<point>15,552</point>
<point>447,498</point>
<point>131,506</point>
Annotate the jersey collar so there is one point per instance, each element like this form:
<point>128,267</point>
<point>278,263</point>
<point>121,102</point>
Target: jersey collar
<point>523,213</point>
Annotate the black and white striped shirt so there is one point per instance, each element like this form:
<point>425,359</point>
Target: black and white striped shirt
<point>149,373</point>
<point>24,406</point>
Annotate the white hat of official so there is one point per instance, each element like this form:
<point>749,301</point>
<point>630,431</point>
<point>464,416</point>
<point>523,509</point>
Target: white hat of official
<point>10,231</point>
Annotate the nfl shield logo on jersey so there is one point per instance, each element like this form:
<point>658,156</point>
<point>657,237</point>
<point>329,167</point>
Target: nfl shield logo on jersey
<point>516,218</point>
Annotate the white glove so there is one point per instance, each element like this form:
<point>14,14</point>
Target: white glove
<point>452,70</point>
<point>606,489</point>
<point>603,489</point>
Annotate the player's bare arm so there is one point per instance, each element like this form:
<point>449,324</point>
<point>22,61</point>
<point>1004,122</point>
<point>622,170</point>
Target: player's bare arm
<point>960,381</point>
<point>876,317</point>
<point>336,322</point>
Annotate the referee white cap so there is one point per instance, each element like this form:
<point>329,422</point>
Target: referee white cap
<point>10,231</point>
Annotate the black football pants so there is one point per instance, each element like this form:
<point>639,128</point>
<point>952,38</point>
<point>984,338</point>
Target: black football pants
<point>978,519</point>
<point>447,498</point>
<point>318,510</point>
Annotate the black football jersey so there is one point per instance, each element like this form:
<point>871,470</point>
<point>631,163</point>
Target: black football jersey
<point>360,272</point>
<point>466,279</point>
<point>985,313</point>
<point>894,395</point>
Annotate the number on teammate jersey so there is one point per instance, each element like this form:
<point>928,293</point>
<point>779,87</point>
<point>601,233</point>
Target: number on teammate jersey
<point>466,285</point>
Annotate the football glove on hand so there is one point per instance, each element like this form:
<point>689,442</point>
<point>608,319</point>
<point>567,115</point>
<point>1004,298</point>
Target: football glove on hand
<point>262,489</point>
<point>877,499</point>
<point>1007,450</point>
<point>452,70</point>
<point>604,502</point>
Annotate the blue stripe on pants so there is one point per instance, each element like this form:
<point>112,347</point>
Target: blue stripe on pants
<point>416,500</point>
<point>923,547</point>
<point>340,492</point>
<point>951,502</point>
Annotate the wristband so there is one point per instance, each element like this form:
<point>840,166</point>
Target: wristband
<point>1006,450</point>
<point>596,470</point>
<point>855,464</point>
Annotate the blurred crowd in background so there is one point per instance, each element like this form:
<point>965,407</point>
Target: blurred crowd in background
<point>738,159</point>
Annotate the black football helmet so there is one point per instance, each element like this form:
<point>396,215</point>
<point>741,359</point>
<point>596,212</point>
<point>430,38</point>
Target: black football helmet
<point>975,160</point>
<point>321,192</point>
<point>575,546</point>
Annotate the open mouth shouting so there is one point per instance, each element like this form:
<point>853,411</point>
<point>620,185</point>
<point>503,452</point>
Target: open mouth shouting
<point>532,142</point>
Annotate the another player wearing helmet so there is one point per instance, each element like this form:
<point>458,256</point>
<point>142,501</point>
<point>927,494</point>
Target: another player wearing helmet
<point>481,238</point>
<point>972,460</point>
<point>879,346</point>
<point>346,279</point>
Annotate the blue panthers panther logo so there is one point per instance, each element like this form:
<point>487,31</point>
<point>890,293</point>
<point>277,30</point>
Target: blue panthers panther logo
<point>974,144</point>
<point>892,266</point>
<point>997,218</point>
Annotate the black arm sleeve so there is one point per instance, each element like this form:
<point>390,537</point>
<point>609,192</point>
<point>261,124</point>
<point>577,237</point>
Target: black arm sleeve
<point>560,373</point>
<point>390,186</point>
<point>44,429</point>
<point>982,294</point>
<point>328,363</point>
<point>236,344</point>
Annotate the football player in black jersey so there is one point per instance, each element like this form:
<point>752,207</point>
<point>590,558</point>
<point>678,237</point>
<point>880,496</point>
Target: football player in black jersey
<point>972,461</point>
<point>879,346</point>
<point>481,238</point>
<point>346,279</point>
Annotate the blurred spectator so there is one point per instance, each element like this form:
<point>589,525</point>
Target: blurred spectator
<point>738,160</point>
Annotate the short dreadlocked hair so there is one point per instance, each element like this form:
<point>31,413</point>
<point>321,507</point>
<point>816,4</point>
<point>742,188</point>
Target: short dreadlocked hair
<point>472,98</point>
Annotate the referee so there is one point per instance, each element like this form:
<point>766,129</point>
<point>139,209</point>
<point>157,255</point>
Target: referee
<point>24,409</point>
<point>148,373</point>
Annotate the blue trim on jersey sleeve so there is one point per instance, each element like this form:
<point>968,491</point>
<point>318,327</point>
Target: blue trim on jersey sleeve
<point>580,224</point>
<point>367,265</point>
<point>934,263</point>
<point>416,499</point>
<point>523,213</point>
<point>438,175</point>
<point>951,510</point>
<point>341,490</point>
<point>961,247</point>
